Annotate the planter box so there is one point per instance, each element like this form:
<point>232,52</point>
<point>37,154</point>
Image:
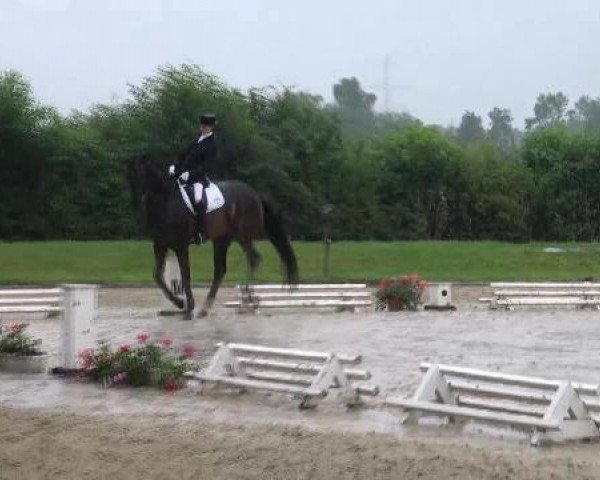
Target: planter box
<point>23,363</point>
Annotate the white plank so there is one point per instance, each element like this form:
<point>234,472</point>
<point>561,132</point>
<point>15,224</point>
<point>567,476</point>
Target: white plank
<point>30,301</point>
<point>31,309</point>
<point>314,303</point>
<point>314,286</point>
<point>260,385</point>
<point>353,374</point>
<point>371,390</point>
<point>547,293</point>
<point>307,294</point>
<point>547,301</point>
<point>580,285</point>
<point>510,379</point>
<point>474,413</point>
<point>30,291</point>
<point>495,391</point>
<point>291,353</point>
<point>300,303</point>
<point>501,407</point>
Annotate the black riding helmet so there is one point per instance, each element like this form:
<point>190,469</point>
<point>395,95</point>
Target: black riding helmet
<point>208,119</point>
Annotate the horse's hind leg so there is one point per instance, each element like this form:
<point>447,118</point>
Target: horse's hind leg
<point>160,255</point>
<point>184,267</point>
<point>254,260</point>
<point>220,247</point>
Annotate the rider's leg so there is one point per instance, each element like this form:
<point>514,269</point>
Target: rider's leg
<point>200,209</point>
<point>200,216</point>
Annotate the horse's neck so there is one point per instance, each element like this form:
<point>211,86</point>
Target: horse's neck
<point>164,209</point>
<point>156,182</point>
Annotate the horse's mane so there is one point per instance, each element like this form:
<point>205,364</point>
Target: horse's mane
<point>157,181</point>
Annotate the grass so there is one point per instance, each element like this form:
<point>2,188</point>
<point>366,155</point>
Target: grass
<point>114,262</point>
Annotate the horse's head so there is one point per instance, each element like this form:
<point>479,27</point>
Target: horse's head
<point>145,178</point>
<point>150,186</point>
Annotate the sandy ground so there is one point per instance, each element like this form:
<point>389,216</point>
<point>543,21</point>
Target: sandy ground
<point>50,428</point>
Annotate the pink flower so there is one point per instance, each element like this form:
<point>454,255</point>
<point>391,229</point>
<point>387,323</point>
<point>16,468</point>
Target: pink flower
<point>87,358</point>
<point>142,337</point>
<point>166,343</point>
<point>120,377</point>
<point>189,351</point>
<point>125,348</point>
<point>16,327</point>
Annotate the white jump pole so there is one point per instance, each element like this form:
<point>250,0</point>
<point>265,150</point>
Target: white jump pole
<point>79,314</point>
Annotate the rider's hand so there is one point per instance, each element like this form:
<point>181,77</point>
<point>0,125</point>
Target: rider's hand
<point>172,170</point>
<point>184,177</point>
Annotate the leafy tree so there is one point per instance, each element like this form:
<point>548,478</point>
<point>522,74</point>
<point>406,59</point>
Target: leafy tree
<point>418,173</point>
<point>566,198</point>
<point>501,131</point>
<point>470,129</point>
<point>550,109</point>
<point>24,147</point>
<point>497,194</point>
<point>586,114</point>
<point>355,107</point>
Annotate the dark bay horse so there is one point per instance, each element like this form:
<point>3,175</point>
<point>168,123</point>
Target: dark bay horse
<point>244,218</point>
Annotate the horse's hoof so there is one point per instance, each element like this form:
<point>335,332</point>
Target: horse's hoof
<point>179,303</point>
<point>202,313</point>
<point>188,315</point>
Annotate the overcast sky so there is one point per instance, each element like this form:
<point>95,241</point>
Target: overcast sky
<point>445,56</point>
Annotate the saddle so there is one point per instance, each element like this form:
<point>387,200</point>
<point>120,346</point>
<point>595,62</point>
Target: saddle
<point>210,197</point>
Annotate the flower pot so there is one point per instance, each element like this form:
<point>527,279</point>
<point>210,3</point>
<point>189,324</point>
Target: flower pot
<point>394,304</point>
<point>15,363</point>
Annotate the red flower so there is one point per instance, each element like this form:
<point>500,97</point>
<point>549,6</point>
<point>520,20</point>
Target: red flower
<point>125,348</point>
<point>166,343</point>
<point>142,337</point>
<point>171,385</point>
<point>189,351</point>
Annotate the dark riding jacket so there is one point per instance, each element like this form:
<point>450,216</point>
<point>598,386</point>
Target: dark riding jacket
<point>198,158</point>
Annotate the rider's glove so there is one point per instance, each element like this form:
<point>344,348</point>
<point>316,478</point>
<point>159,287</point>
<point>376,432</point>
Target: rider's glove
<point>172,170</point>
<point>184,177</point>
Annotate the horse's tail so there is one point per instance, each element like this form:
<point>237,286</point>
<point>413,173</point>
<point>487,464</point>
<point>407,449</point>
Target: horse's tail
<point>281,242</point>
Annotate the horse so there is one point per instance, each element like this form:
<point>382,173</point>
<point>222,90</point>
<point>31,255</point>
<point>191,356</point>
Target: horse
<point>245,217</point>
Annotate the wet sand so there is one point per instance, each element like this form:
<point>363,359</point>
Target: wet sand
<point>50,428</point>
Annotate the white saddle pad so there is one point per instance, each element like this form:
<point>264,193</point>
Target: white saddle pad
<point>214,197</point>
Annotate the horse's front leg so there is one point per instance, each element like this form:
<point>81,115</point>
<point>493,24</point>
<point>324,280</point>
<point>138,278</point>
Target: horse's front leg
<point>184,267</point>
<point>160,254</point>
<point>220,247</point>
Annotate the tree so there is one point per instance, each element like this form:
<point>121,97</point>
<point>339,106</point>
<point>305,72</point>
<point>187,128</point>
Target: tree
<point>355,107</point>
<point>416,186</point>
<point>586,114</point>
<point>501,131</point>
<point>550,109</point>
<point>308,146</point>
<point>470,129</point>
<point>496,196</point>
<point>24,147</point>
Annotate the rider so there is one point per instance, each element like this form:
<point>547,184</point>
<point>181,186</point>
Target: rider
<point>194,164</point>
